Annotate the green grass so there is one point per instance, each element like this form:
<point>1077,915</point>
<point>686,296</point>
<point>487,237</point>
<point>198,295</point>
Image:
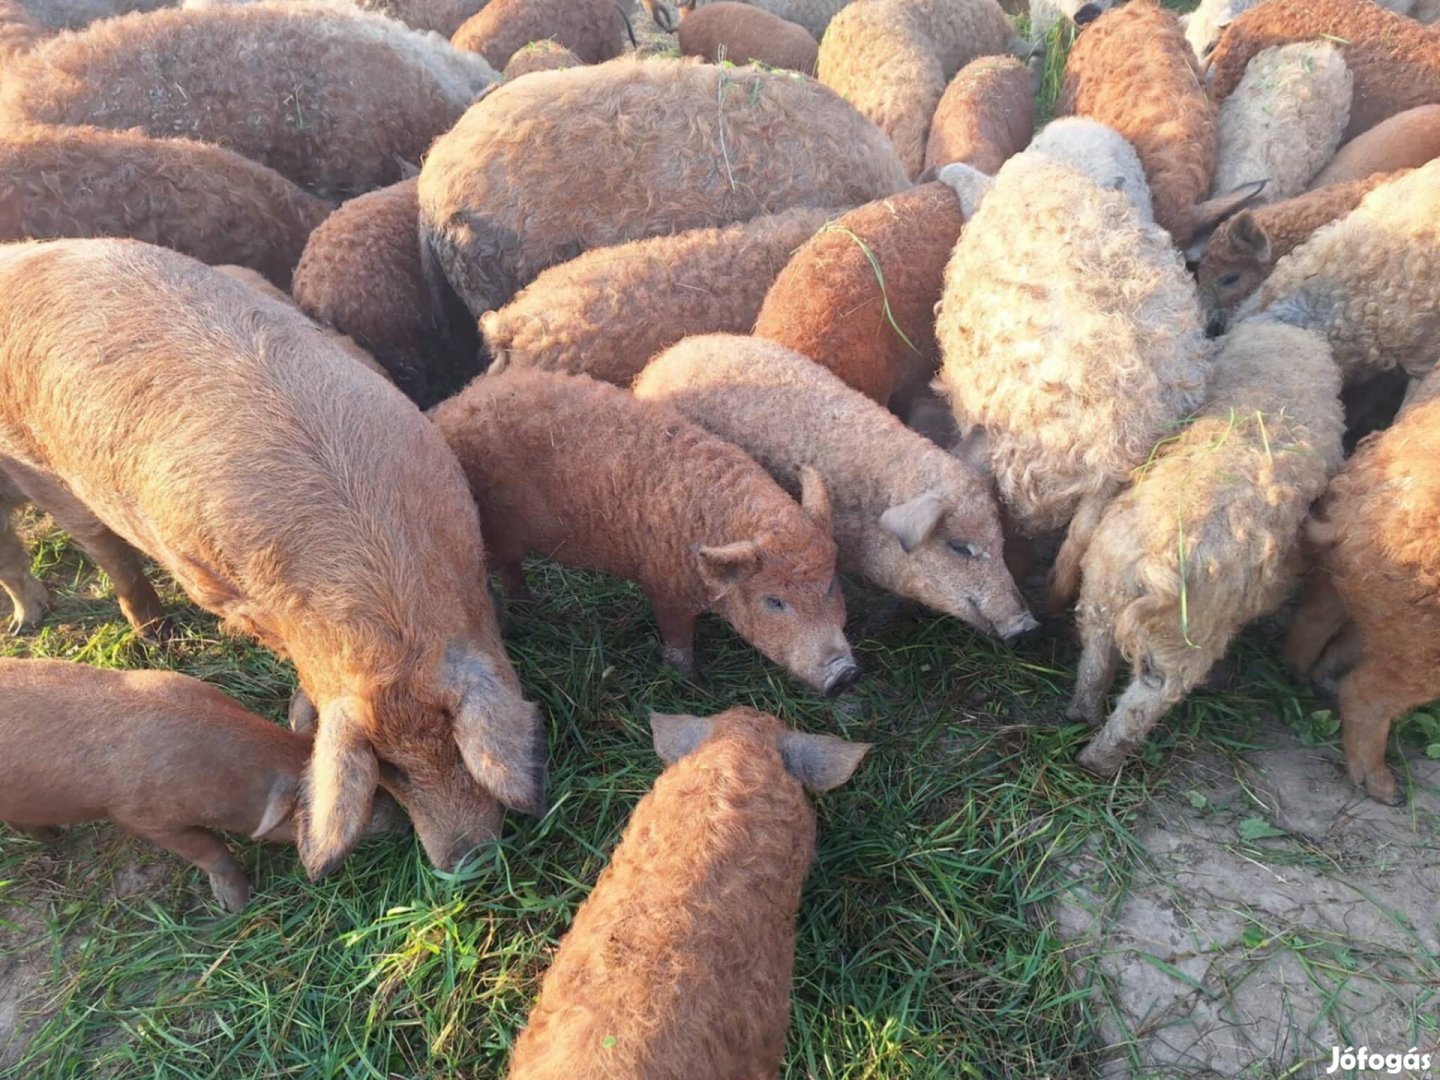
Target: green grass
<point>924,946</point>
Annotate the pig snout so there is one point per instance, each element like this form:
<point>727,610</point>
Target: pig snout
<point>841,673</point>
<point>1020,624</point>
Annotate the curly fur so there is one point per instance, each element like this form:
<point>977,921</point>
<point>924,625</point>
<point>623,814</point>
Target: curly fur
<point>1405,141</point>
<point>607,312</point>
<point>1102,154</point>
<point>892,60</point>
<point>1378,567</point>
<point>578,470</point>
<point>1133,71</point>
<point>75,14</point>
<point>592,29</point>
<point>361,273</point>
<point>1284,120</point>
<point>786,411</point>
<point>1071,335</point>
<point>1241,253</point>
<point>500,201</point>
<point>162,755</point>
<point>282,83</point>
<point>812,15</point>
<point>207,202</point>
<point>289,491</point>
<point>19,30</point>
<point>1368,281</point>
<point>542,55</point>
<point>986,114</point>
<point>828,304</point>
<point>678,964</point>
<point>1207,538</point>
<point>743,34</point>
<point>1394,61</point>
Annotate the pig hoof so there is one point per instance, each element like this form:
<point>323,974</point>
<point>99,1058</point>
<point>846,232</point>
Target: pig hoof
<point>231,891</point>
<point>301,715</point>
<point>1085,713</point>
<point>683,661</point>
<point>1103,763</point>
<point>157,630</point>
<point>1381,787</point>
<point>30,606</point>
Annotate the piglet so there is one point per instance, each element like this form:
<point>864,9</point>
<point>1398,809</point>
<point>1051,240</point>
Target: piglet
<point>678,965</point>
<point>579,471</point>
<point>162,755</point>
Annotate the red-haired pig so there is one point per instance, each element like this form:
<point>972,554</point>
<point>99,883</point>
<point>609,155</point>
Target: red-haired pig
<point>162,755</point>
<point>1378,567</point>
<point>907,516</point>
<point>498,197</point>
<point>1207,537</point>
<point>1132,70</point>
<point>1241,253</point>
<point>592,29</point>
<point>1394,61</point>
<point>581,472</point>
<point>679,962</point>
<point>581,316</point>
<point>362,274</point>
<point>859,297</point>
<point>1405,141</point>
<point>335,98</point>
<point>743,34</point>
<point>544,55</point>
<point>293,493</point>
<point>986,115</point>
<point>207,202</point>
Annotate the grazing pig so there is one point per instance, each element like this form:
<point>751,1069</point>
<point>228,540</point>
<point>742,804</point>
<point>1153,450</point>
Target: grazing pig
<point>1405,141</point>
<point>1207,538</point>
<point>147,400</point>
<point>859,297</point>
<point>986,115</point>
<point>578,470</point>
<point>499,200</point>
<point>744,34</point>
<point>543,55</point>
<point>1373,536</point>
<point>908,516</point>
<point>162,755</point>
<point>678,964</point>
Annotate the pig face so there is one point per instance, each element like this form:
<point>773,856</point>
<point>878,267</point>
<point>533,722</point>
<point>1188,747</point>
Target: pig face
<point>945,550</point>
<point>1233,267</point>
<point>450,749</point>
<point>780,592</point>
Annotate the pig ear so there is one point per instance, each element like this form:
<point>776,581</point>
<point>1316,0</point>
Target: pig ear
<point>820,762</point>
<point>722,568</point>
<point>501,736</point>
<point>815,497</point>
<point>1211,212</point>
<point>974,450</point>
<point>284,794</point>
<point>677,735</point>
<point>912,522</point>
<point>969,184</point>
<point>339,787</point>
<point>1250,236</point>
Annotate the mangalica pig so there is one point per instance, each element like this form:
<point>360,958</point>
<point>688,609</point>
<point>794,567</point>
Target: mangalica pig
<point>148,402</point>
<point>907,515</point>
<point>579,471</point>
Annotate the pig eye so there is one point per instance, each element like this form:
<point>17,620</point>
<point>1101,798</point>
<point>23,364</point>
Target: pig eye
<point>965,549</point>
<point>774,603</point>
<point>1228,281</point>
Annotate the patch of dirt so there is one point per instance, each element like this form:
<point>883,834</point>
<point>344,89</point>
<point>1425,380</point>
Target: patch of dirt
<point>1282,913</point>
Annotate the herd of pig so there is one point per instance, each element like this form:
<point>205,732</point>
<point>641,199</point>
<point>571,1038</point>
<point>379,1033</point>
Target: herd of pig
<point>721,330</point>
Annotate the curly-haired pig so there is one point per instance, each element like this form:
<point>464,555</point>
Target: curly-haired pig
<point>151,404</point>
<point>678,965</point>
<point>579,471</point>
<point>908,516</point>
<point>162,755</point>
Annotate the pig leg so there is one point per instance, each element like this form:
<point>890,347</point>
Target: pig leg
<point>204,849</point>
<point>138,602</point>
<point>1371,697</point>
<point>677,634</point>
<point>1098,660</point>
<point>1139,709</point>
<point>27,596</point>
<point>517,589</point>
<point>1318,618</point>
<point>302,715</point>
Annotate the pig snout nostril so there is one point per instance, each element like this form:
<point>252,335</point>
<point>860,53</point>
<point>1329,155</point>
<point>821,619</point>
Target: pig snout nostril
<point>1023,625</point>
<point>461,852</point>
<point>842,676</point>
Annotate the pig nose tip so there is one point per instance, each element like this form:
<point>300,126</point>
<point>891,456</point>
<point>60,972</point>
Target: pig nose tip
<point>1215,324</point>
<point>842,678</point>
<point>1022,625</point>
<point>463,851</point>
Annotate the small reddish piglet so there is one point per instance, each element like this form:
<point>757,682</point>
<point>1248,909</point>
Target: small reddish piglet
<point>678,965</point>
<point>581,472</point>
<point>162,755</point>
